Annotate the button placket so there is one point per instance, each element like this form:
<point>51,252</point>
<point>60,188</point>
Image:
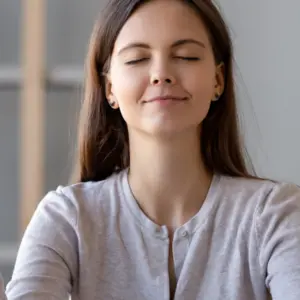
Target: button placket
<point>180,248</point>
<point>160,246</point>
<point>161,233</point>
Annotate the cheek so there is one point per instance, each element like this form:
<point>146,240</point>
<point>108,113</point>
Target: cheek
<point>201,83</point>
<point>201,88</point>
<point>128,86</point>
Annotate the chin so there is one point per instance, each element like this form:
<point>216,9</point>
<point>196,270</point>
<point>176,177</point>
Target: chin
<point>172,131</point>
<point>165,129</point>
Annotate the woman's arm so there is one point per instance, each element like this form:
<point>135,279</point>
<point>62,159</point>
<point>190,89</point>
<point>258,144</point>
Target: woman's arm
<point>278,235</point>
<point>46,265</point>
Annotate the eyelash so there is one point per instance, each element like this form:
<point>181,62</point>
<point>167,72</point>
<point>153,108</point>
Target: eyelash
<point>133,62</point>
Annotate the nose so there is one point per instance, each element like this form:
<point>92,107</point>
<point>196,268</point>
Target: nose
<point>160,79</point>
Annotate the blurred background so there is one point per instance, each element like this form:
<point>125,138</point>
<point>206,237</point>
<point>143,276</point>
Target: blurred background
<point>42,50</point>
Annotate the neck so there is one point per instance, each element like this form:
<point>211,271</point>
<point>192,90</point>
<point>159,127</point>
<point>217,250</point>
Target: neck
<point>168,177</point>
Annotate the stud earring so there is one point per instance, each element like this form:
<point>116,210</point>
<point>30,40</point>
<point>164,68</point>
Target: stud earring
<point>113,104</point>
<point>216,97</point>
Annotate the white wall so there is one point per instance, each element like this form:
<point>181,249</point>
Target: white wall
<point>267,46</point>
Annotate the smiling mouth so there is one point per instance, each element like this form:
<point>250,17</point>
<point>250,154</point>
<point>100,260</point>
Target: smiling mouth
<point>167,99</point>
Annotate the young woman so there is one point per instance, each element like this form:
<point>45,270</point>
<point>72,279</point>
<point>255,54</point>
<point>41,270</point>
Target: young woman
<point>163,207</point>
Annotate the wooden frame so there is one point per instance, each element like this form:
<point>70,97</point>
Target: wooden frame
<point>32,112</point>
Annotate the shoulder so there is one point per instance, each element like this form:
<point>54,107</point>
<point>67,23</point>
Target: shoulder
<point>255,187</point>
<point>246,187</point>
<point>83,200</point>
<point>261,195</point>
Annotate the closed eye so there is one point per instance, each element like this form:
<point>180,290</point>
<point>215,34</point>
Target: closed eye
<point>136,61</point>
<point>188,58</point>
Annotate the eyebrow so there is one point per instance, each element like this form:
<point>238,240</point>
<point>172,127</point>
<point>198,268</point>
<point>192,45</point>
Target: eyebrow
<point>174,45</point>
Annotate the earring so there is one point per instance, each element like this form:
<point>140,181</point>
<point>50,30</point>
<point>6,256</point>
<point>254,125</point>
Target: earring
<point>113,104</point>
<point>216,97</point>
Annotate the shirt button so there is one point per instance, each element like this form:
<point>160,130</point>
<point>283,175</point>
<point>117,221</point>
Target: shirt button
<point>184,233</point>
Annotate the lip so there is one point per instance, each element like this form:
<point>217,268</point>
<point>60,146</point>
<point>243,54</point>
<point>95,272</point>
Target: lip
<point>166,98</point>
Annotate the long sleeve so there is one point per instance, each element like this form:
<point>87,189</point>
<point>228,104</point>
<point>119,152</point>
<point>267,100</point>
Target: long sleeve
<point>46,264</point>
<point>278,235</point>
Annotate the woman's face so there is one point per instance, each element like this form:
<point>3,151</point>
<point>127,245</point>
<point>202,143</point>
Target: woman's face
<point>163,75</point>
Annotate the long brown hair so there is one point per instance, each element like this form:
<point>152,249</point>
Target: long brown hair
<point>103,146</point>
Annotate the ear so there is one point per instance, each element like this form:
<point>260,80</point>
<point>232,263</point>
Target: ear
<point>109,93</point>
<point>219,81</point>
<point>108,87</point>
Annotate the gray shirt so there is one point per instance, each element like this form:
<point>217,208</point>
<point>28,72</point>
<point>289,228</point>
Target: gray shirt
<point>93,241</point>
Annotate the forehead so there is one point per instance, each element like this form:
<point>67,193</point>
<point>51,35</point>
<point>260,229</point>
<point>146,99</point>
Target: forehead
<point>161,22</point>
